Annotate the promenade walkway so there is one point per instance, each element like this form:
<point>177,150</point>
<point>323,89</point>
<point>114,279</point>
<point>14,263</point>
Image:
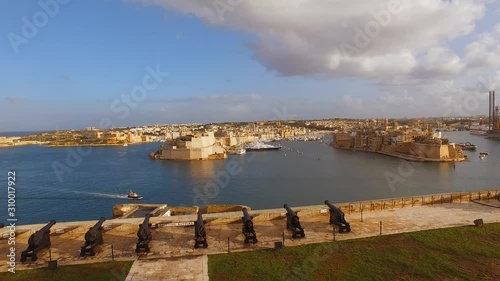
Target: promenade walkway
<point>173,256</point>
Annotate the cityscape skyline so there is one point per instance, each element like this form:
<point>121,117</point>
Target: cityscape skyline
<point>234,61</point>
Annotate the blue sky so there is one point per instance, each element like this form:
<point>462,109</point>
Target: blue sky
<point>244,66</point>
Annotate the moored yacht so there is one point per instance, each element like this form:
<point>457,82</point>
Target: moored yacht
<point>477,129</point>
<point>258,146</point>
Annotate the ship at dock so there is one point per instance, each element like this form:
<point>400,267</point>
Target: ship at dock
<point>478,129</point>
<point>260,146</point>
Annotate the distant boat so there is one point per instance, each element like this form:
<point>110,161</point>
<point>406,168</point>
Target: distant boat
<point>133,195</point>
<point>468,146</point>
<point>125,144</point>
<point>482,156</point>
<point>240,151</point>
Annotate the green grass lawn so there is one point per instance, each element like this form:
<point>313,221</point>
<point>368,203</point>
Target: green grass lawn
<point>461,253</point>
<point>105,271</point>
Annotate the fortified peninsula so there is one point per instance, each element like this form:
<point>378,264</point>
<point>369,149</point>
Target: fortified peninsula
<point>412,144</point>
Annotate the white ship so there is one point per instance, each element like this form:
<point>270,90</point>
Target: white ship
<point>478,129</point>
<point>259,146</point>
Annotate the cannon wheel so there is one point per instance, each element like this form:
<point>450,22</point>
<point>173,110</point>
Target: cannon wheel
<point>255,240</point>
<point>91,252</point>
<point>246,241</point>
<point>23,256</point>
<point>196,246</point>
<point>34,257</point>
<point>205,245</point>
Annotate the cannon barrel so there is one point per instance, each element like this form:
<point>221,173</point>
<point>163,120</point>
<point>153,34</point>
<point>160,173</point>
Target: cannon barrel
<point>333,209</point>
<point>330,205</point>
<point>246,215</point>
<point>93,232</point>
<point>98,224</point>
<point>199,218</point>
<point>290,212</point>
<point>144,232</point>
<point>200,226</point>
<point>47,227</point>
<point>200,235</point>
<point>36,237</point>
<point>146,220</point>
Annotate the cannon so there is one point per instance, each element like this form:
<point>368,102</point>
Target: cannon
<point>293,223</point>
<point>200,235</point>
<point>144,235</point>
<point>337,218</point>
<point>37,241</point>
<point>247,229</point>
<point>93,238</point>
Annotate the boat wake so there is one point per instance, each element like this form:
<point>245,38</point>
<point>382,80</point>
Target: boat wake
<point>108,195</point>
<point>94,194</point>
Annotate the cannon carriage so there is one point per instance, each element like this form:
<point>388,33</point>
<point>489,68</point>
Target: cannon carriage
<point>293,223</point>
<point>37,241</point>
<point>247,228</point>
<point>93,238</point>
<point>200,235</point>
<point>144,236</point>
<point>337,218</point>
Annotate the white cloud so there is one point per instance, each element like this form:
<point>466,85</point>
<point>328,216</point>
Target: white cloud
<point>403,46</point>
<point>370,39</point>
<point>485,52</point>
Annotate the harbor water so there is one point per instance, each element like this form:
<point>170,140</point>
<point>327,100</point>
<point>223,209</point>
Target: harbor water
<point>68,184</point>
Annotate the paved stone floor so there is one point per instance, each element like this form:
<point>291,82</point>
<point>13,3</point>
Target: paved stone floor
<point>172,253</point>
<point>189,268</point>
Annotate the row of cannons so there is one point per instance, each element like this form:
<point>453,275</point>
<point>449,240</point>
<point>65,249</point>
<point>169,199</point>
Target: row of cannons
<point>94,236</point>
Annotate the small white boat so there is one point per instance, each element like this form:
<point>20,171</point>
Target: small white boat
<point>125,144</point>
<point>237,151</point>
<point>240,151</point>
<point>133,195</point>
<point>481,156</point>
